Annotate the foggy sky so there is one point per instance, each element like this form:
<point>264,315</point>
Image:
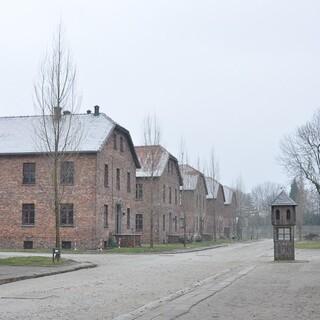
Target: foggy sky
<point>233,75</point>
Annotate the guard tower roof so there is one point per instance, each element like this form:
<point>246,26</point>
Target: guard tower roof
<point>283,200</point>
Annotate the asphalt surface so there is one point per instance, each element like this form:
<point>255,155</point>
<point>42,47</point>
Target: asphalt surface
<point>239,281</point>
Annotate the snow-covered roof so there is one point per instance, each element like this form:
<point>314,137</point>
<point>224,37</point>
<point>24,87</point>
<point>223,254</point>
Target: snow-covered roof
<point>191,177</point>
<point>283,200</point>
<point>153,161</point>
<point>228,194</point>
<point>213,188</point>
<point>24,135</point>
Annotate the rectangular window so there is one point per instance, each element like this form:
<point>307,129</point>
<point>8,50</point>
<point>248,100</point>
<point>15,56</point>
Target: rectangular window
<point>27,244</point>
<point>139,222</point>
<point>28,214</point>
<point>175,196</point>
<point>175,224</point>
<point>128,182</point>
<point>164,222</point>
<point>121,144</point>
<point>106,175</point>
<point>170,195</point>
<point>66,245</point>
<point>115,146</point>
<point>67,173</point>
<point>106,216</point>
<point>29,173</point>
<point>284,234</point>
<point>139,191</point>
<point>181,222</point>
<point>66,214</point>
<point>128,218</point>
<point>118,179</point>
<point>164,193</point>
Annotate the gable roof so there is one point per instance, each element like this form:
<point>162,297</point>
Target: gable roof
<point>22,135</point>
<point>191,177</point>
<point>213,188</point>
<point>161,157</point>
<point>228,195</point>
<point>283,200</point>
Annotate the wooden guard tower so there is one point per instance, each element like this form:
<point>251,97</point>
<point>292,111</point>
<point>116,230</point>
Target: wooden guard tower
<point>283,218</point>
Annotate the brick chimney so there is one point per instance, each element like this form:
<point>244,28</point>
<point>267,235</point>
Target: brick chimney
<point>56,113</point>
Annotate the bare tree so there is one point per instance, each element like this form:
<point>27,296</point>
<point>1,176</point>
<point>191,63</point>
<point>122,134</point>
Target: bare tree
<point>152,137</point>
<point>263,196</point>
<point>182,160</point>
<point>212,174</point>
<point>300,152</point>
<point>58,134</point>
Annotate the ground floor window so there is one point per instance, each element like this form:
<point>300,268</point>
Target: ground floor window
<point>139,222</point>
<point>28,214</point>
<point>27,244</point>
<point>66,214</point>
<point>128,218</point>
<point>66,244</point>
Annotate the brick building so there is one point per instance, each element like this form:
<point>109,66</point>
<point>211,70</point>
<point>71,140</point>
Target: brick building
<point>98,198</point>
<point>193,195</point>
<point>230,212</point>
<point>215,209</point>
<point>159,178</point>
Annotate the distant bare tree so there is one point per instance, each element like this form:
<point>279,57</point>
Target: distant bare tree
<point>300,152</point>
<point>263,195</point>
<point>152,137</point>
<point>212,174</point>
<point>298,194</point>
<point>183,161</point>
<point>58,134</point>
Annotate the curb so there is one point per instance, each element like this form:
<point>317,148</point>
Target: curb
<point>193,250</point>
<point>85,265</point>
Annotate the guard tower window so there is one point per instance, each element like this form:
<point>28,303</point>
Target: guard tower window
<point>284,234</point>
<point>277,214</point>
<point>288,214</point>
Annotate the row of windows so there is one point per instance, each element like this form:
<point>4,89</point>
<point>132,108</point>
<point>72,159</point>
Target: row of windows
<point>174,220</point>
<point>106,217</point>
<point>118,178</point>
<point>170,195</point>
<point>28,244</point>
<point>139,193</point>
<point>66,214</point>
<point>288,214</point>
<point>66,173</point>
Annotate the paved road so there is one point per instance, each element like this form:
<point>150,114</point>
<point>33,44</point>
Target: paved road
<point>177,285</point>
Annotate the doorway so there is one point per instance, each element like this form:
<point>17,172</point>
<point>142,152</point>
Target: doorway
<point>118,219</point>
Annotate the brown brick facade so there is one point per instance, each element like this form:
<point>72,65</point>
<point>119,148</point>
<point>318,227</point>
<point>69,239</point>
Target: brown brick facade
<point>88,195</point>
<point>166,208</point>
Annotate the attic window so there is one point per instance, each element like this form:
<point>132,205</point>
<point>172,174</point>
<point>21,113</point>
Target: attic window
<point>277,214</point>
<point>115,146</point>
<point>121,144</point>
<point>288,214</point>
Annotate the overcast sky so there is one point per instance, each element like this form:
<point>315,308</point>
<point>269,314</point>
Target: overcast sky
<point>233,75</point>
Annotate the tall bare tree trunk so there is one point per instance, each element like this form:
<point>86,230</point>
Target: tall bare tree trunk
<point>56,203</point>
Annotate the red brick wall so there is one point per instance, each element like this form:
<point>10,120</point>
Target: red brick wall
<point>88,196</point>
<point>160,207</point>
<point>13,194</point>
